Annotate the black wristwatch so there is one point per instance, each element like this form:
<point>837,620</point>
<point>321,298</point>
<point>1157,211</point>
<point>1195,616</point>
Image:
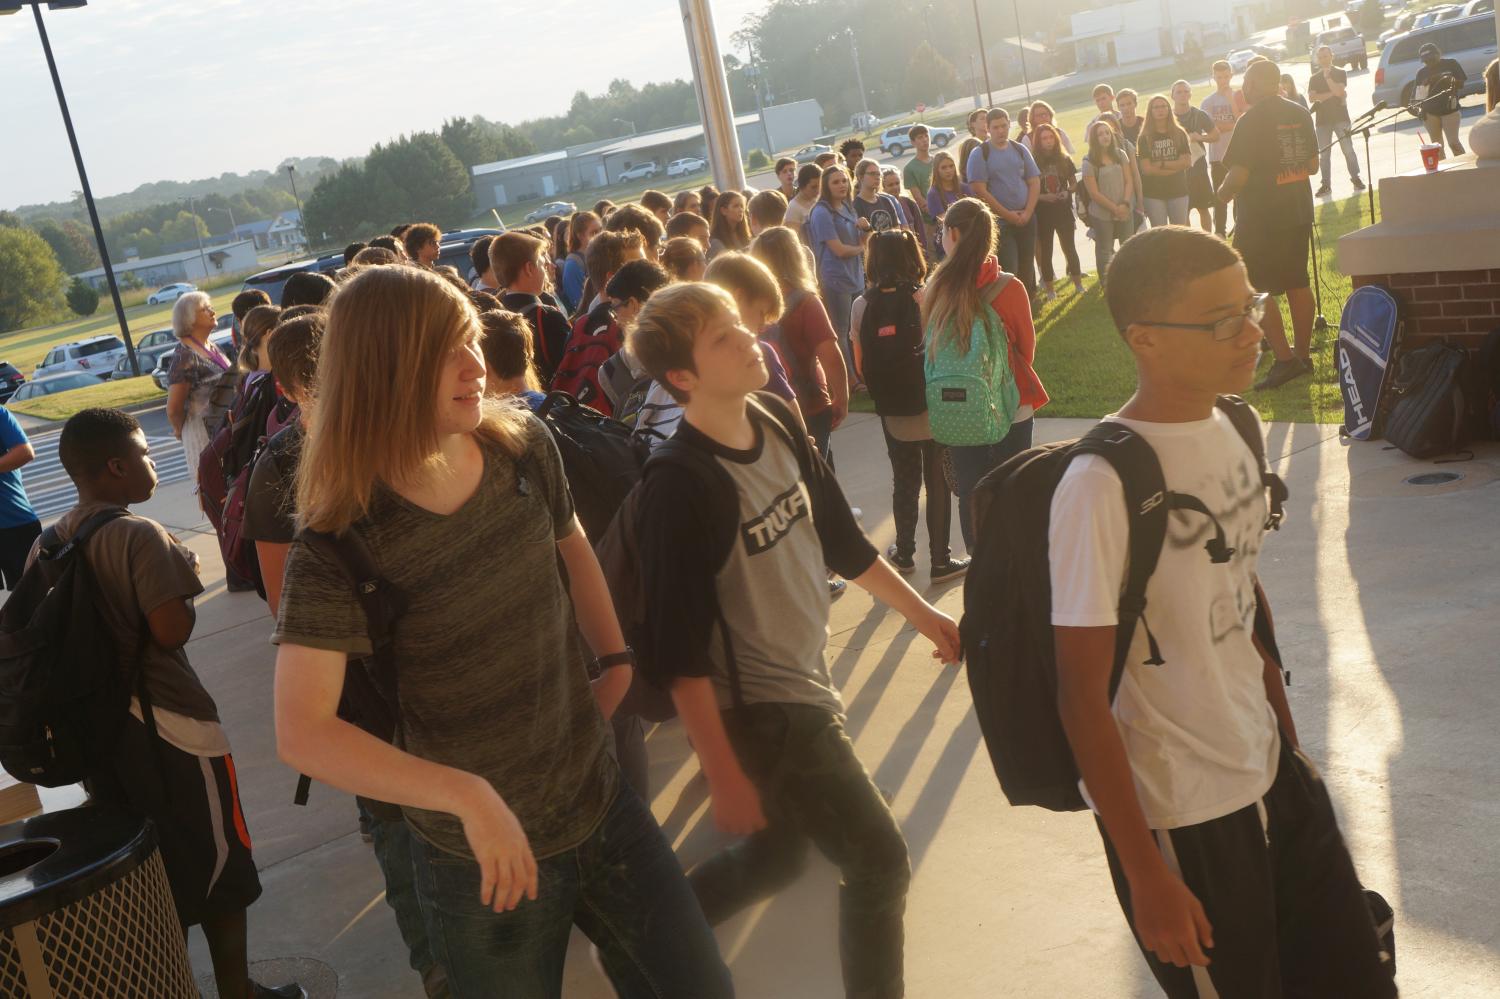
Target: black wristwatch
<point>599,665</point>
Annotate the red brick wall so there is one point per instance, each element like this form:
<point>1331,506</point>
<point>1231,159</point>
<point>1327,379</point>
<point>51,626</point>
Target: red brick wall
<point>1459,305</point>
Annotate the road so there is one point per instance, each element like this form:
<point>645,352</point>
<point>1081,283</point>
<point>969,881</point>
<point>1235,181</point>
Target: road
<point>51,491</point>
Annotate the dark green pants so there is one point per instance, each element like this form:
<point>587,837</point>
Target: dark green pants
<point>813,788</point>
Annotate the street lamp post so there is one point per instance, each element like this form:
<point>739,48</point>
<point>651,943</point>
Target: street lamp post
<point>1021,49</point>
<point>202,257</point>
<point>291,173</point>
<point>11,7</point>
<point>984,59</point>
<point>760,107</point>
<point>626,122</point>
<point>859,79</point>
<point>234,229</point>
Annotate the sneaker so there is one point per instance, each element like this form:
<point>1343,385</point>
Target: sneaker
<point>1078,285</point>
<point>903,564</point>
<point>1359,185</point>
<point>1307,364</point>
<point>291,990</point>
<point>954,568</point>
<point>836,587</point>
<point>1282,372</point>
<point>1323,191</point>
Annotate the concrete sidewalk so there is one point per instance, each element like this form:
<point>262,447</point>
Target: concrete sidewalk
<point>1384,595</point>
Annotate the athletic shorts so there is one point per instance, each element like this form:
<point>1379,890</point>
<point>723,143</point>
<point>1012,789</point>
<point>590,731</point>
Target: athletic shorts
<point>194,803</point>
<point>15,546</point>
<point>1200,188</point>
<point>1276,259</point>
<point>1278,886</point>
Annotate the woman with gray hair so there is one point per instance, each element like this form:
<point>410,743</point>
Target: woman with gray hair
<point>200,379</point>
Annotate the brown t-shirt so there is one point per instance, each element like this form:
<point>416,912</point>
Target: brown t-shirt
<point>803,329</point>
<point>492,675</point>
<point>139,567</point>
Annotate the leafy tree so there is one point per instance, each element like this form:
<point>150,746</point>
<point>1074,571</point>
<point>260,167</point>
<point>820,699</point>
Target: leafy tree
<point>184,228</point>
<point>10,220</point>
<point>31,281</point>
<point>419,179</point>
<point>72,242</point>
<point>477,140</point>
<point>82,298</point>
<point>929,77</point>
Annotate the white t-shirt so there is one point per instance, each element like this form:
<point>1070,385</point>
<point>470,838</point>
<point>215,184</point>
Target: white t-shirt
<point>1200,736</point>
<point>1220,107</point>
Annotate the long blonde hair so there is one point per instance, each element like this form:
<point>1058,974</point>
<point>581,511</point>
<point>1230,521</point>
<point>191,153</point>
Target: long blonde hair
<point>390,331</point>
<point>781,251</point>
<point>951,299</point>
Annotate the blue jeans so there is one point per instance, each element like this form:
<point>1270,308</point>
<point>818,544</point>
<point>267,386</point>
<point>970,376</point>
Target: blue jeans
<point>1017,252</point>
<point>392,839</point>
<point>1164,211</point>
<point>622,886</point>
<point>970,464</point>
<point>1106,233</point>
<point>820,429</point>
<point>840,304</point>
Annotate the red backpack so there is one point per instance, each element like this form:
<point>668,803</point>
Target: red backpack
<point>596,338</point>
<point>238,550</point>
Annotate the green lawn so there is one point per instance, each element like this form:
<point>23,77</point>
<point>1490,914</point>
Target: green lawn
<point>1089,372</point>
<point>113,394</point>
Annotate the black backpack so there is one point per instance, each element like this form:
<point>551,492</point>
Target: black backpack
<point>601,458</point>
<point>1007,623</point>
<point>64,694</point>
<point>1430,411</point>
<point>1486,394</point>
<point>890,341</point>
<point>619,558</point>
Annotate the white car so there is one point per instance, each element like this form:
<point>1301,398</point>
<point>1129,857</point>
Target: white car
<point>170,293</point>
<point>1240,58</point>
<point>897,139</point>
<point>95,356</point>
<point>686,165</point>
<point>640,171</point>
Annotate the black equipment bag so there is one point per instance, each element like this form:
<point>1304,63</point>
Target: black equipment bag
<point>601,458</point>
<point>1431,413</point>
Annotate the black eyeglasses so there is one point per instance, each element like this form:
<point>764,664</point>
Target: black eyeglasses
<point>1227,328</point>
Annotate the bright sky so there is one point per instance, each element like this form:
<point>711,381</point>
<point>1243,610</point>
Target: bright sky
<point>176,91</point>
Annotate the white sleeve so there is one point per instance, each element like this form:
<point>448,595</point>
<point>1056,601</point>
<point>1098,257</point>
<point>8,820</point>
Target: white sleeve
<point>1088,544</point>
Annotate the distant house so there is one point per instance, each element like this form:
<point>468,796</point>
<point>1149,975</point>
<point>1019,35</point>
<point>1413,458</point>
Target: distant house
<point>284,232</point>
<point>1142,30</point>
<point>598,164</point>
<point>187,265</point>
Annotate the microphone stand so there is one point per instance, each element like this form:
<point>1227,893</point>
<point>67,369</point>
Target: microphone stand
<point>1367,122</point>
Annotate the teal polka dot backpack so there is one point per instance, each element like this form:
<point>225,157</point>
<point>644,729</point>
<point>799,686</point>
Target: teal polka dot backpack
<point>971,394</point>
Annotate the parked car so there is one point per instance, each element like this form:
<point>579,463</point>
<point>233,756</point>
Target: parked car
<point>94,356</point>
<point>1469,41</point>
<point>455,247</point>
<point>52,384</point>
<point>1477,7</point>
<point>809,153</point>
<point>550,209</point>
<point>10,380</point>
<point>224,341</point>
<point>863,121</point>
<point>274,280</point>
<point>1239,59</point>
<point>897,139</point>
<point>148,350</point>
<point>170,293</point>
<point>640,171</point>
<point>1348,47</point>
<point>686,165</point>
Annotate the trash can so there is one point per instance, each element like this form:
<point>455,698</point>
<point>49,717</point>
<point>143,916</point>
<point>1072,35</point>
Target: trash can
<point>86,911</point>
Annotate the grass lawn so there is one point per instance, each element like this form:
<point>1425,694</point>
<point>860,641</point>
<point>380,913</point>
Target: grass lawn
<point>113,394</point>
<point>1089,372</point>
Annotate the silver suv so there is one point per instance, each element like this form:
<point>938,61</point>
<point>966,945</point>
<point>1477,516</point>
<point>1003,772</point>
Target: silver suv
<point>1348,48</point>
<point>94,356</point>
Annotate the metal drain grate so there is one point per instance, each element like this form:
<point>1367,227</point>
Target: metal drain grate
<point>1433,478</point>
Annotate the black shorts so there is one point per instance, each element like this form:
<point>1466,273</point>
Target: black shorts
<point>1278,886</point>
<point>1200,188</point>
<point>1276,259</point>
<point>194,803</point>
<point>15,545</point>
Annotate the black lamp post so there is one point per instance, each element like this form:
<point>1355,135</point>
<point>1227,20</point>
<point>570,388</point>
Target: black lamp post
<point>291,173</point>
<point>12,7</point>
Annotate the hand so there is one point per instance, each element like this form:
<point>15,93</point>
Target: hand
<point>863,225</point>
<point>507,868</point>
<point>1022,217</point>
<point>1170,921</point>
<point>1122,213</point>
<point>942,631</point>
<point>736,804</point>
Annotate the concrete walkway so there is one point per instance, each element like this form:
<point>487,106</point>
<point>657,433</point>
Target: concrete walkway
<point>1384,595</point>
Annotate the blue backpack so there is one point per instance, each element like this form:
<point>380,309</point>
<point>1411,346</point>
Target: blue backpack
<point>972,396</point>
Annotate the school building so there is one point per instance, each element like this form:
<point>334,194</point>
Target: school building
<point>188,265</point>
<point>544,176</point>
<point>1140,30</point>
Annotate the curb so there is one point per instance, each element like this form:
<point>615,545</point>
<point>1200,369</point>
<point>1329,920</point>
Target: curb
<point>37,425</point>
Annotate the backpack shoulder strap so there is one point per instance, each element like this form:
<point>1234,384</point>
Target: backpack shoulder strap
<point>53,547</point>
<point>1243,417</point>
<point>381,601</point>
<point>1146,508</point>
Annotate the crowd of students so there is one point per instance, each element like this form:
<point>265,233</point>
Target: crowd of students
<point>506,801</point>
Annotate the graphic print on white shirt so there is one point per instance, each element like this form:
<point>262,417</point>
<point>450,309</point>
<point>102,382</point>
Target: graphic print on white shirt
<point>1199,733</point>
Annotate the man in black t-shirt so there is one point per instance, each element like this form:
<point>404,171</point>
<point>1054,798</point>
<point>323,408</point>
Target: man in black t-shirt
<point>1325,88</point>
<point>1438,84</point>
<point>1270,158</point>
<point>1201,131</point>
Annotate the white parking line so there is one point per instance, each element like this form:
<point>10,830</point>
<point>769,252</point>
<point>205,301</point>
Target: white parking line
<point>51,491</point>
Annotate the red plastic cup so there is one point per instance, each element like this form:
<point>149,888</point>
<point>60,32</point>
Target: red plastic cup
<point>1431,154</point>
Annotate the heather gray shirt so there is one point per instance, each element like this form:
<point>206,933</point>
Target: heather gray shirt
<point>492,672</point>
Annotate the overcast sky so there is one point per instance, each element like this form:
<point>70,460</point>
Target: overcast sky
<point>165,90</point>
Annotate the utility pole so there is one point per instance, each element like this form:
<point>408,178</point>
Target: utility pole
<point>712,89</point>
<point>202,258</point>
<point>760,107</point>
<point>859,79</point>
<point>88,193</point>
<point>1021,47</point>
<point>291,173</point>
<point>984,59</point>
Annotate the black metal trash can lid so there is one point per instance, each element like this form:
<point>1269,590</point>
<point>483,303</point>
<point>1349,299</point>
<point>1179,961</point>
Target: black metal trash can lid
<point>50,861</point>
